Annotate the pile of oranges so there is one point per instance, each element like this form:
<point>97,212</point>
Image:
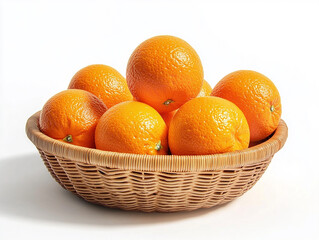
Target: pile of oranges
<point>164,106</point>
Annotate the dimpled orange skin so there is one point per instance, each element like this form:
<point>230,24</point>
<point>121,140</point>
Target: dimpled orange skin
<point>72,113</point>
<point>164,72</point>
<point>258,98</point>
<point>206,90</point>
<point>208,125</point>
<point>104,82</point>
<point>132,127</point>
<point>167,117</point>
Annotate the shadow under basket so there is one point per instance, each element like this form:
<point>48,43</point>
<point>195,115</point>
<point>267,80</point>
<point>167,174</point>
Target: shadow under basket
<point>167,183</point>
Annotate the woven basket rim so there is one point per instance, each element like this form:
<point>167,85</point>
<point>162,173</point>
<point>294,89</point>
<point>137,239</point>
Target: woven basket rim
<point>169,163</point>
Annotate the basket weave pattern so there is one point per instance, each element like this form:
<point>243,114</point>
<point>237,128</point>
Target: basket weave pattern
<point>154,183</point>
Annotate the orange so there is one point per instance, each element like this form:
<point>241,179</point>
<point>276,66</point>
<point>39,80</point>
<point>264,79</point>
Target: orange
<point>258,98</point>
<point>104,82</point>
<point>206,90</point>
<point>132,127</point>
<point>71,116</point>
<point>208,125</point>
<point>164,72</point>
<point>168,116</point>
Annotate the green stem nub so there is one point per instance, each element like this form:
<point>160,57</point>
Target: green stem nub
<point>272,108</point>
<point>68,139</point>
<point>158,146</point>
<point>168,102</point>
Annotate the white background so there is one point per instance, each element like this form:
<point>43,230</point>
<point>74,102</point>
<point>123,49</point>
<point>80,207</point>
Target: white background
<point>43,43</point>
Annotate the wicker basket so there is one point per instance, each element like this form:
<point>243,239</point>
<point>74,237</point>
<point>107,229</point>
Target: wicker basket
<point>149,183</point>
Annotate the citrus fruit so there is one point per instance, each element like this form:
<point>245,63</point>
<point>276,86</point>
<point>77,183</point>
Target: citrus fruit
<point>71,116</point>
<point>164,72</point>
<point>208,125</point>
<point>258,98</point>
<point>104,82</point>
<point>168,116</point>
<point>132,127</point>
<point>206,90</point>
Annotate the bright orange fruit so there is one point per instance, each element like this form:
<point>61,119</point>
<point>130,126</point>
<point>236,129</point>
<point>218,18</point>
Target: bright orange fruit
<point>164,72</point>
<point>208,125</point>
<point>71,116</point>
<point>258,98</point>
<point>206,90</point>
<point>132,127</point>
<point>168,116</point>
<point>104,82</point>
